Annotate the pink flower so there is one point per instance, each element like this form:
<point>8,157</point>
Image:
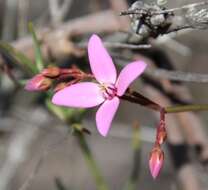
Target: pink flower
<point>156,161</point>
<point>106,91</point>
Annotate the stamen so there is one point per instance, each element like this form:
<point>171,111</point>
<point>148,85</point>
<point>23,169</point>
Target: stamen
<point>109,91</point>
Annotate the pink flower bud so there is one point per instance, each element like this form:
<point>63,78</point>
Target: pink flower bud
<point>51,72</point>
<point>38,83</point>
<point>156,161</point>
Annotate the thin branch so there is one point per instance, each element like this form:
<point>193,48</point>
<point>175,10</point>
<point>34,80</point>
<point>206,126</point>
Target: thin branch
<point>58,12</point>
<point>179,28</point>
<point>126,46</point>
<point>183,7</point>
<point>167,74</point>
<point>136,11</point>
<point>178,75</point>
<point>40,162</point>
<point>187,108</point>
<point>137,98</point>
<point>118,45</point>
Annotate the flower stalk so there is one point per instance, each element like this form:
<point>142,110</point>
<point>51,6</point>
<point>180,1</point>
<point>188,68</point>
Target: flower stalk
<point>79,132</point>
<point>100,183</point>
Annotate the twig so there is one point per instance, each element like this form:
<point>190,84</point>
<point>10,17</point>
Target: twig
<point>129,12</point>
<point>58,12</point>
<point>178,75</point>
<point>183,7</point>
<point>126,46</point>
<point>186,108</point>
<point>120,45</point>
<point>167,74</point>
<point>43,155</point>
<point>137,98</point>
<point>179,29</point>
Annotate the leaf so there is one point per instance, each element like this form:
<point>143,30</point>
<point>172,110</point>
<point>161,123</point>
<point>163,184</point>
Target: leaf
<point>38,55</point>
<point>17,57</point>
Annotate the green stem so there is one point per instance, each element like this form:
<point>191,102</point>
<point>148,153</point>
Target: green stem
<point>133,178</point>
<point>186,108</point>
<point>59,112</point>
<point>101,185</point>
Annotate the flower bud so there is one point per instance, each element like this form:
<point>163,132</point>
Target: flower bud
<point>51,72</point>
<point>161,134</point>
<point>156,161</point>
<point>38,83</point>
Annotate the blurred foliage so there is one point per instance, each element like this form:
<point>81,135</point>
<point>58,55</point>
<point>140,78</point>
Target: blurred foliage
<point>38,55</point>
<point>17,58</point>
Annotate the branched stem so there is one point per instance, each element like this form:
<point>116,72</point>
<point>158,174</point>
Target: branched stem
<point>137,98</point>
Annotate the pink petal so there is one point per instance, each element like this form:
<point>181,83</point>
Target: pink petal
<point>156,161</point>
<point>100,61</point>
<point>80,95</point>
<point>155,169</point>
<point>105,115</point>
<point>128,75</point>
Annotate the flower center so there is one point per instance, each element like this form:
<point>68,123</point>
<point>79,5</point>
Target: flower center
<point>109,91</point>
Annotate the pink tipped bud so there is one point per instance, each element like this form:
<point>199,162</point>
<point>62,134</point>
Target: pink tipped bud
<point>51,72</point>
<point>38,83</point>
<point>156,161</point>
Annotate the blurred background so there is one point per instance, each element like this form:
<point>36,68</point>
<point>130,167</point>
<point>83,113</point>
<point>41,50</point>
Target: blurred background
<point>35,145</point>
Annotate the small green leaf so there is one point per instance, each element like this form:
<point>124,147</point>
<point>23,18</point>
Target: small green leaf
<point>38,55</point>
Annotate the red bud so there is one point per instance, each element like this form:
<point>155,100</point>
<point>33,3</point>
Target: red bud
<point>38,83</point>
<point>51,72</point>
